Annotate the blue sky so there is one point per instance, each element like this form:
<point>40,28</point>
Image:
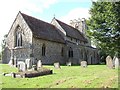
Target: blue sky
<point>64,10</point>
<point>61,9</point>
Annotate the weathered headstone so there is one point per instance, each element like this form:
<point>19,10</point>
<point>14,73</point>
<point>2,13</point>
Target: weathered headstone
<point>109,62</point>
<point>39,64</point>
<point>68,63</point>
<point>57,65</point>
<point>83,64</point>
<point>34,67</point>
<point>117,62</point>
<point>28,63</point>
<point>22,66</point>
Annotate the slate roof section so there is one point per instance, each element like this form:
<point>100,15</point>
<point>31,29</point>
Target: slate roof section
<point>72,32</point>
<point>43,30</point>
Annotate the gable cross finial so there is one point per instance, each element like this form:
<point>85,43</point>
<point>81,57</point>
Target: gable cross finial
<point>54,15</point>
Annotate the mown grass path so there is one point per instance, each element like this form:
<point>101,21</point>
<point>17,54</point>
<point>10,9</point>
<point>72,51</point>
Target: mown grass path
<point>94,76</point>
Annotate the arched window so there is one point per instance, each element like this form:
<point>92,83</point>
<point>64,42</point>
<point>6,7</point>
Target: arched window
<point>43,49</point>
<point>86,54</point>
<point>18,37</point>
<point>62,51</point>
<point>81,53</point>
<point>70,53</point>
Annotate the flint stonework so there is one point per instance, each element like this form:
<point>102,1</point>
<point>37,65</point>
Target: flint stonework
<point>61,42</point>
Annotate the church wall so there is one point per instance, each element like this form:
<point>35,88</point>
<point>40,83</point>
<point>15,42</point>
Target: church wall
<point>82,53</point>
<point>52,51</point>
<point>76,56</point>
<point>32,47</point>
<point>21,53</point>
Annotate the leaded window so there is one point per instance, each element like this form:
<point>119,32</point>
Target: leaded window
<point>70,52</point>
<point>18,37</point>
<point>43,49</point>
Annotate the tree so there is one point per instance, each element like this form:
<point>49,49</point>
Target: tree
<point>104,26</point>
<point>3,44</point>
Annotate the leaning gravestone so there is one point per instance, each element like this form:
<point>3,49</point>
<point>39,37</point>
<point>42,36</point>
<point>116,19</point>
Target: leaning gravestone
<point>57,65</point>
<point>109,62</point>
<point>22,66</point>
<point>83,64</point>
<point>39,64</point>
<point>28,63</point>
<point>117,62</point>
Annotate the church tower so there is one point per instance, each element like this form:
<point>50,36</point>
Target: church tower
<point>79,24</point>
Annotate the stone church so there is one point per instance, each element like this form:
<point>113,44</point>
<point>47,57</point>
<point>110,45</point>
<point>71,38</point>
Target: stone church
<point>31,38</point>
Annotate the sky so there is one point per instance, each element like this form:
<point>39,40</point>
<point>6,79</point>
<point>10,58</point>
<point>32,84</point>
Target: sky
<point>64,10</point>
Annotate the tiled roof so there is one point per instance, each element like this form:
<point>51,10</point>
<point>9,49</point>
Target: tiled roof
<point>47,31</point>
<point>43,30</point>
<point>71,31</point>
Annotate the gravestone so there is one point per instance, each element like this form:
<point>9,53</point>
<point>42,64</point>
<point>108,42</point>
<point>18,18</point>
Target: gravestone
<point>117,62</point>
<point>83,64</point>
<point>109,62</point>
<point>39,64</point>
<point>68,63</point>
<point>34,67</point>
<point>28,63</point>
<point>57,65</point>
<point>22,66</point>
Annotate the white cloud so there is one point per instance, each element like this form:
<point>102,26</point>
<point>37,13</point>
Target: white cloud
<point>75,14</point>
<point>68,1</point>
<point>10,8</point>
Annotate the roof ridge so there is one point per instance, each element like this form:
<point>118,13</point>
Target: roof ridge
<point>71,27</point>
<point>67,24</point>
<point>38,26</point>
<point>35,18</point>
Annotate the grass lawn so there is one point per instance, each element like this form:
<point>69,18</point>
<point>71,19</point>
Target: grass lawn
<point>94,76</point>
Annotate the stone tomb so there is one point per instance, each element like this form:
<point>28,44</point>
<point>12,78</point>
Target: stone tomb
<point>30,74</point>
<point>28,63</point>
<point>57,65</point>
<point>109,62</point>
<point>39,64</point>
<point>22,66</point>
<point>83,64</point>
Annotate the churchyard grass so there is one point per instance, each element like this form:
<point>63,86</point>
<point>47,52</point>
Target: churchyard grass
<point>94,76</point>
